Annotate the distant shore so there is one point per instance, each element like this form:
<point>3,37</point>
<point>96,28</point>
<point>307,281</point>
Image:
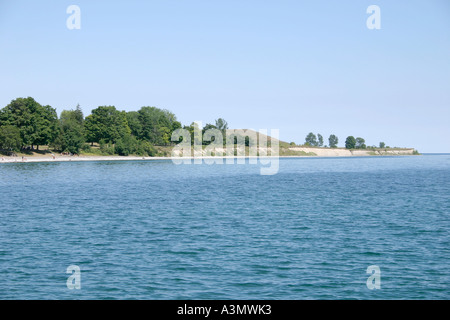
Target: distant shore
<point>75,159</point>
<point>342,152</point>
<point>35,159</point>
<point>120,158</point>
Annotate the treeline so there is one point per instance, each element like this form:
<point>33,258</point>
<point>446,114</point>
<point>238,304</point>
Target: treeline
<point>317,141</point>
<point>350,142</point>
<point>25,125</point>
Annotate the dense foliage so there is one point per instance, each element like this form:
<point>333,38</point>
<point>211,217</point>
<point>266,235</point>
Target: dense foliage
<point>333,141</point>
<point>350,142</point>
<point>313,140</point>
<point>26,125</point>
<point>37,124</point>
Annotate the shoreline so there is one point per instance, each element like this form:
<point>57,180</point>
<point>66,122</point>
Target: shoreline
<point>34,159</point>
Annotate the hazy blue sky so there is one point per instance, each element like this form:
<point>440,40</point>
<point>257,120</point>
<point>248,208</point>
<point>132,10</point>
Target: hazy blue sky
<point>297,66</point>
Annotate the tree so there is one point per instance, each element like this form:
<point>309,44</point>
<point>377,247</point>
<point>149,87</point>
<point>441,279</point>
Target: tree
<point>382,145</point>
<point>360,143</point>
<point>10,139</point>
<point>207,127</point>
<point>350,142</point>
<point>320,140</point>
<point>311,139</point>
<point>222,125</point>
<point>126,145</point>
<point>38,124</point>
<point>134,123</point>
<point>46,126</point>
<point>157,125</point>
<point>333,141</point>
<point>72,136</point>
<point>192,129</point>
<point>106,123</point>
<point>77,115</point>
<point>92,129</point>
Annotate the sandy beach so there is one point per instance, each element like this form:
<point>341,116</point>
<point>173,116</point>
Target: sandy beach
<point>341,152</point>
<point>76,159</point>
<point>318,153</point>
<point>108,158</point>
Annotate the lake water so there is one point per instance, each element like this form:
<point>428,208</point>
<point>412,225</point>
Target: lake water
<point>155,230</point>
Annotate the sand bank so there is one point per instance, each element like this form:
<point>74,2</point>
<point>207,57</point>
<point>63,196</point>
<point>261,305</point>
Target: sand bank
<point>319,152</point>
<point>340,152</point>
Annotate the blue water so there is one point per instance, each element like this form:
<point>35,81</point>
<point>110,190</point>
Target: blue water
<point>155,230</point>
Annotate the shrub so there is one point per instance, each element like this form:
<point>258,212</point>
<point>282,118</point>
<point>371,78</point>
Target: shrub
<point>147,148</point>
<point>86,147</point>
<point>10,138</point>
<point>106,148</point>
<point>126,145</point>
<point>350,142</point>
<point>130,145</point>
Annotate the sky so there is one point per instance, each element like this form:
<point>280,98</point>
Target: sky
<point>297,66</point>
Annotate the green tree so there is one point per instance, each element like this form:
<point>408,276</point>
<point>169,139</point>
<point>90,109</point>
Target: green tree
<point>382,145</point>
<point>10,139</point>
<point>46,126</point>
<point>134,123</point>
<point>157,125</point>
<point>38,124</point>
<point>333,141</point>
<point>221,124</point>
<point>192,128</point>
<point>72,136</point>
<point>92,129</point>
<point>106,123</point>
<point>77,115</point>
<point>319,140</point>
<point>130,145</point>
<point>360,143</point>
<point>126,145</point>
<point>206,128</point>
<point>350,142</point>
<point>311,139</point>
